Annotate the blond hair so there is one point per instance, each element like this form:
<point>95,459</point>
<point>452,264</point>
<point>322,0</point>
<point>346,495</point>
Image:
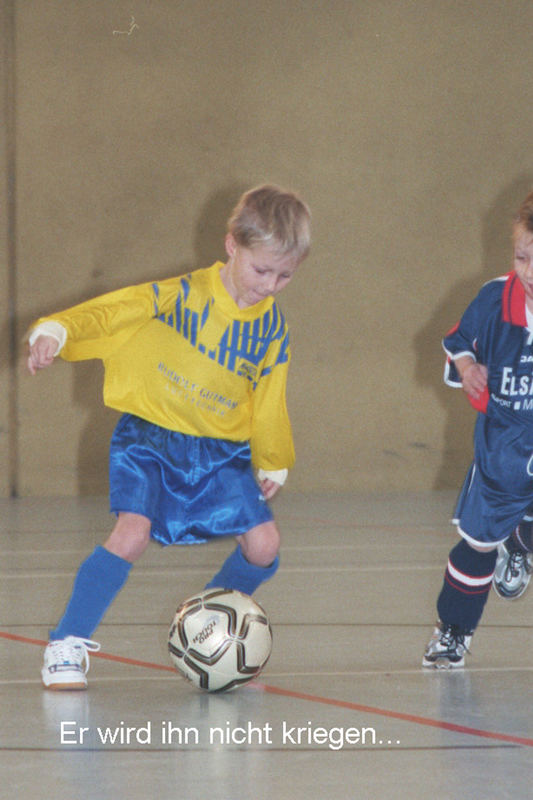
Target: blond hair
<point>272,217</point>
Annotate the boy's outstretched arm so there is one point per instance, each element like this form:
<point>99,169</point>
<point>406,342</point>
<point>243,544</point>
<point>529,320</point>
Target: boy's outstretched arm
<point>42,353</point>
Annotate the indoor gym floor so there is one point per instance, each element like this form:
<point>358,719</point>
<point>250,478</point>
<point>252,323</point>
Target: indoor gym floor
<point>352,608</point>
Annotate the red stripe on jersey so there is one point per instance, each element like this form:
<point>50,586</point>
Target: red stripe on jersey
<point>452,330</point>
<point>514,301</point>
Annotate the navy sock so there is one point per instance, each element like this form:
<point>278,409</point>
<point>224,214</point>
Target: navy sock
<point>98,580</point>
<point>237,573</point>
<point>467,583</point>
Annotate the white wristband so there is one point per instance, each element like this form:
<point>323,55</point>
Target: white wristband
<point>276,475</point>
<point>50,328</point>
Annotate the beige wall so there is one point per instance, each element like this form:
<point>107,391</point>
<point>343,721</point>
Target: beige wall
<point>8,445</point>
<point>405,124</point>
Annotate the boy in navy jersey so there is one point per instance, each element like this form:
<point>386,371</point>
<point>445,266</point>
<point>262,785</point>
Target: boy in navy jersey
<point>490,355</point>
<point>198,366</point>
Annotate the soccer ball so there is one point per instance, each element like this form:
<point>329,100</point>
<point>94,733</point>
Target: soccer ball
<point>220,639</point>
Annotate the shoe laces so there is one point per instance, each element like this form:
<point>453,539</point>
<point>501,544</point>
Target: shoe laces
<point>71,648</point>
<point>452,636</point>
<point>518,560</point>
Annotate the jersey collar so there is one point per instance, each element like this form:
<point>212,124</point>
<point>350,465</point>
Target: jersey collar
<point>514,301</point>
<point>225,302</point>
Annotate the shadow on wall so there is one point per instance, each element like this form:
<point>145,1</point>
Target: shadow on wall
<point>92,466</point>
<point>496,260</point>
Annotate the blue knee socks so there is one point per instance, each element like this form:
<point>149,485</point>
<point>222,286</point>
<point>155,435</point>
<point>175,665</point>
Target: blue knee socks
<point>98,580</point>
<point>103,574</point>
<point>237,573</point>
<point>467,583</point>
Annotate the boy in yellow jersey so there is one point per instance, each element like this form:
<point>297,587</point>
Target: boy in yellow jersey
<point>198,366</point>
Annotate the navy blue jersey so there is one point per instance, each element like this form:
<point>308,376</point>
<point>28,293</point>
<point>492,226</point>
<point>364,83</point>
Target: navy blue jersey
<point>499,488</point>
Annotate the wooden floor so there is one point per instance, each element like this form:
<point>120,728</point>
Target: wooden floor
<point>343,708</point>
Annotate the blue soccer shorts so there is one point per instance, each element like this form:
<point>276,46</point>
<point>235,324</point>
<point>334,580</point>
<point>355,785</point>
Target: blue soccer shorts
<point>191,488</point>
<point>487,514</point>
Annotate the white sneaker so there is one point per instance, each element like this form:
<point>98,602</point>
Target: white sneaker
<point>66,662</point>
<point>447,647</point>
<point>512,574</point>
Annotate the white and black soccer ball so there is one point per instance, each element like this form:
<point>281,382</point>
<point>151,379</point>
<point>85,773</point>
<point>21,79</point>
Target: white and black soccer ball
<point>220,639</point>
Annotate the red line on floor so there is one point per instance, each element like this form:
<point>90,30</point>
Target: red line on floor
<point>311,698</point>
<point>107,656</point>
<point>434,723</point>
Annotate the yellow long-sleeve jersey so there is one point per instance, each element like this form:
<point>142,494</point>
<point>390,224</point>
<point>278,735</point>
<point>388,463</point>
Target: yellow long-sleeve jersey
<point>180,353</point>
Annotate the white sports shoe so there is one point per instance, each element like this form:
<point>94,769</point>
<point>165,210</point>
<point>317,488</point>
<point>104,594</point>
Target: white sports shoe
<point>66,662</point>
<point>447,647</point>
<point>512,574</point>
